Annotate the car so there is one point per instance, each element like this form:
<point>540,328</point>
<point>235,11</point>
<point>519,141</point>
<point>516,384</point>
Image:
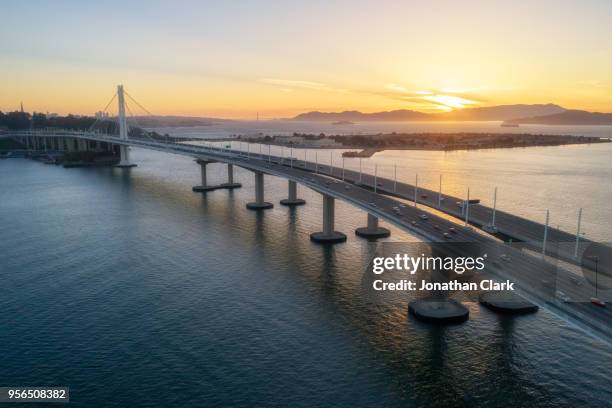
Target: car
<point>347,187</point>
<point>562,296</point>
<point>504,258</point>
<point>414,223</point>
<point>437,227</point>
<point>423,195</point>
<point>402,205</point>
<point>373,204</point>
<point>452,230</point>
<point>423,217</point>
<point>379,184</point>
<point>460,204</point>
<point>447,235</point>
<point>598,302</point>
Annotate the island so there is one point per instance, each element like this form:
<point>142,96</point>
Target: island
<point>365,145</point>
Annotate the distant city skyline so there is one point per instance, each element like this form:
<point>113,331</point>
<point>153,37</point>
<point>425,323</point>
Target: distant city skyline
<point>234,60</point>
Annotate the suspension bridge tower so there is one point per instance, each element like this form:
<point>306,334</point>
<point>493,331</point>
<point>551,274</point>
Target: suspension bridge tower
<point>123,130</point>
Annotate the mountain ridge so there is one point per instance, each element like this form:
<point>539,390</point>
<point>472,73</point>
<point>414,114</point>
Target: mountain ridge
<point>499,112</point>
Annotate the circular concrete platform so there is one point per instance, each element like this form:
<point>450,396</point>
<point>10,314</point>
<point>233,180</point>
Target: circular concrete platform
<point>288,202</point>
<point>333,238</point>
<point>506,302</point>
<point>439,311</point>
<point>230,185</point>
<point>378,232</point>
<point>259,206</point>
<point>203,189</point>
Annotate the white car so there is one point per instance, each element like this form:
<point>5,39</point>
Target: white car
<point>423,217</point>
<point>563,296</point>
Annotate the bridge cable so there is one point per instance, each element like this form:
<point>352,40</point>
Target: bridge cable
<point>103,111</point>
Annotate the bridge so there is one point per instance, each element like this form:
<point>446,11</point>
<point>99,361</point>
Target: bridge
<point>535,267</point>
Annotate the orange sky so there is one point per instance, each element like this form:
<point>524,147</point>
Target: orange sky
<point>233,60</point>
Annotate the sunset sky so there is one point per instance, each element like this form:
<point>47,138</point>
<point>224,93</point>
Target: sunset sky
<point>232,59</point>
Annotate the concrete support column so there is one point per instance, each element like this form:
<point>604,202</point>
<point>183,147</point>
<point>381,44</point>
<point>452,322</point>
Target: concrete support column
<point>372,231</point>
<point>292,199</point>
<point>230,178</point>
<point>203,187</point>
<point>124,154</point>
<point>230,173</point>
<point>259,203</point>
<point>328,235</point>
<point>203,174</point>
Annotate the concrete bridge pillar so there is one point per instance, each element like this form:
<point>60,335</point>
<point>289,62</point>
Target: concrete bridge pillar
<point>372,231</point>
<point>230,178</point>
<point>292,199</point>
<point>328,235</point>
<point>124,154</point>
<point>204,186</point>
<point>259,203</point>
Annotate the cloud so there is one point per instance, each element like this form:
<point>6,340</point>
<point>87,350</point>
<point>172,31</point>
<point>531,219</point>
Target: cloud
<point>290,83</point>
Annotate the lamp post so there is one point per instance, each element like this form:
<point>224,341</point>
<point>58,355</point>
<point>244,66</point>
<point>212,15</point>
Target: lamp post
<point>440,193</point>
<point>578,233</point>
<point>467,208</point>
<point>545,233</point>
<point>395,178</point>
<point>416,188</point>
<point>375,176</point>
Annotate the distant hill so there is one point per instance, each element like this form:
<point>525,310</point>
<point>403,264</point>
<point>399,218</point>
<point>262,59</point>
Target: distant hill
<point>502,112</point>
<point>356,116</point>
<point>568,117</point>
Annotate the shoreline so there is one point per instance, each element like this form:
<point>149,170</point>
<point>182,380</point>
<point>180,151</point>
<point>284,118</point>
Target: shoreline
<point>361,150</point>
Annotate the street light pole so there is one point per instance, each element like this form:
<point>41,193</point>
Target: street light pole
<point>395,178</point>
<point>495,208</point>
<point>360,170</point>
<point>578,232</point>
<point>545,233</point>
<point>416,188</point>
<point>467,208</point>
<point>440,193</point>
<point>375,176</point>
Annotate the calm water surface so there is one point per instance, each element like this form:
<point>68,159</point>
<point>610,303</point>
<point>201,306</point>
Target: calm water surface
<point>134,291</point>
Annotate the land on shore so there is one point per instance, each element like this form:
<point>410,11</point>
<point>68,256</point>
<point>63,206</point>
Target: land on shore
<point>370,144</point>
